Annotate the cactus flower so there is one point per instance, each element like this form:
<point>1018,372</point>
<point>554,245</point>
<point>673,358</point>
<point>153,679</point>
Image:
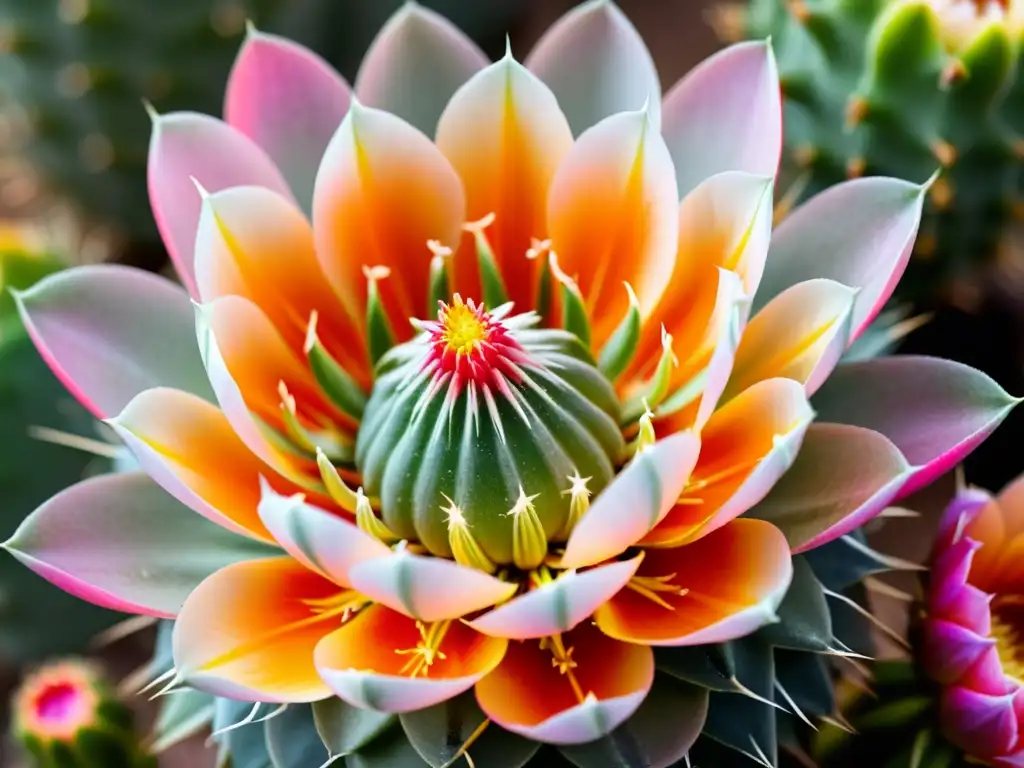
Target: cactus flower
<point>971,637</point>
<point>65,714</point>
<point>492,360</point>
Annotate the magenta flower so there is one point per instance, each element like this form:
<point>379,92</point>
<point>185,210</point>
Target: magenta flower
<point>973,633</point>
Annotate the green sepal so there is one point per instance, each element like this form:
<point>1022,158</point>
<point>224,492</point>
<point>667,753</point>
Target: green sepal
<point>493,285</point>
<point>439,287</point>
<point>390,749</point>
<point>438,734</point>
<point>246,745</point>
<point>181,716</point>
<point>620,349</point>
<point>709,666</point>
<point>293,740</point>
<point>846,561</point>
<point>654,391</point>
<point>807,679</point>
<point>741,721</point>
<point>334,380</point>
<point>379,336</point>
<point>660,732</point>
<point>545,294</point>
<point>574,310</point>
<point>804,621</point>
<point>344,728</point>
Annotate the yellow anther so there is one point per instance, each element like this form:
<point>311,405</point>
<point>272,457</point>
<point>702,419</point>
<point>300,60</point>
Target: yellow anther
<point>438,249</point>
<point>579,503</point>
<point>368,521</point>
<point>376,273</point>
<point>529,541</point>
<point>427,650</point>
<point>346,604</point>
<point>465,548</point>
<point>463,327</point>
<point>477,227</point>
<point>562,660</point>
<point>537,248</point>
<point>651,586</point>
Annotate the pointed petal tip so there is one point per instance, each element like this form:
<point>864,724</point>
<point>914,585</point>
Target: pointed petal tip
<point>154,116</point>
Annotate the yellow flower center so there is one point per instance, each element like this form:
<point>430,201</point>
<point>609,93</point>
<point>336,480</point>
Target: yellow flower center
<point>464,329</point>
<point>1008,632</point>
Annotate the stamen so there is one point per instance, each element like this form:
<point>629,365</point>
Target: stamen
<point>561,659</point>
<point>380,337</point>
<point>427,650</point>
<point>495,293</point>
<point>650,586</point>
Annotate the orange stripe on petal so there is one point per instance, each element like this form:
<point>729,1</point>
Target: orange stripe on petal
<point>188,446</point>
<point>800,334</point>
<point>746,447</point>
<point>254,243</point>
<point>248,632</point>
<point>383,191</point>
<point>385,661</point>
<point>728,584</point>
<point>613,217</point>
<point>603,684</point>
<point>725,223</point>
<point>505,135</point>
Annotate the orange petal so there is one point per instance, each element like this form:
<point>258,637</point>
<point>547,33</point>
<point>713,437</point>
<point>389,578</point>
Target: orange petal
<point>527,694</point>
<point>248,632</point>
<point>188,446</point>
<point>371,661</point>
<point>613,216</point>
<point>247,359</point>
<point>505,135</point>
<point>729,584</point>
<point>383,191</point>
<point>428,588</point>
<point>725,223</point>
<point>254,243</point>
<point>746,447</point>
<point>800,334</point>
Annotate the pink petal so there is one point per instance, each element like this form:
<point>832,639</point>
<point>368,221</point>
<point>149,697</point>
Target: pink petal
<point>290,102</point>
<point>415,64</point>
<point>187,147</point>
<point>725,115</point>
<point>859,233</point>
<point>321,541</point>
<point>635,502</point>
<point>428,588</point>
<point>120,542</point>
<point>724,331</point>
<point>980,724</point>
<point>842,477</point>
<point>596,63</point>
<point>559,605</point>
<point>948,650</point>
<point>110,332</point>
<point>935,411</point>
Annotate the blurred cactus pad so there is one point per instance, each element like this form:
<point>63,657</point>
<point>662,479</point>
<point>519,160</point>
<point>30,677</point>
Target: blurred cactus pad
<point>905,88</point>
<point>36,619</point>
<point>74,74</point>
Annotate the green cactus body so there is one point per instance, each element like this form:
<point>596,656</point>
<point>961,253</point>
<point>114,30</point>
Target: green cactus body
<point>66,716</point>
<point>875,87</point>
